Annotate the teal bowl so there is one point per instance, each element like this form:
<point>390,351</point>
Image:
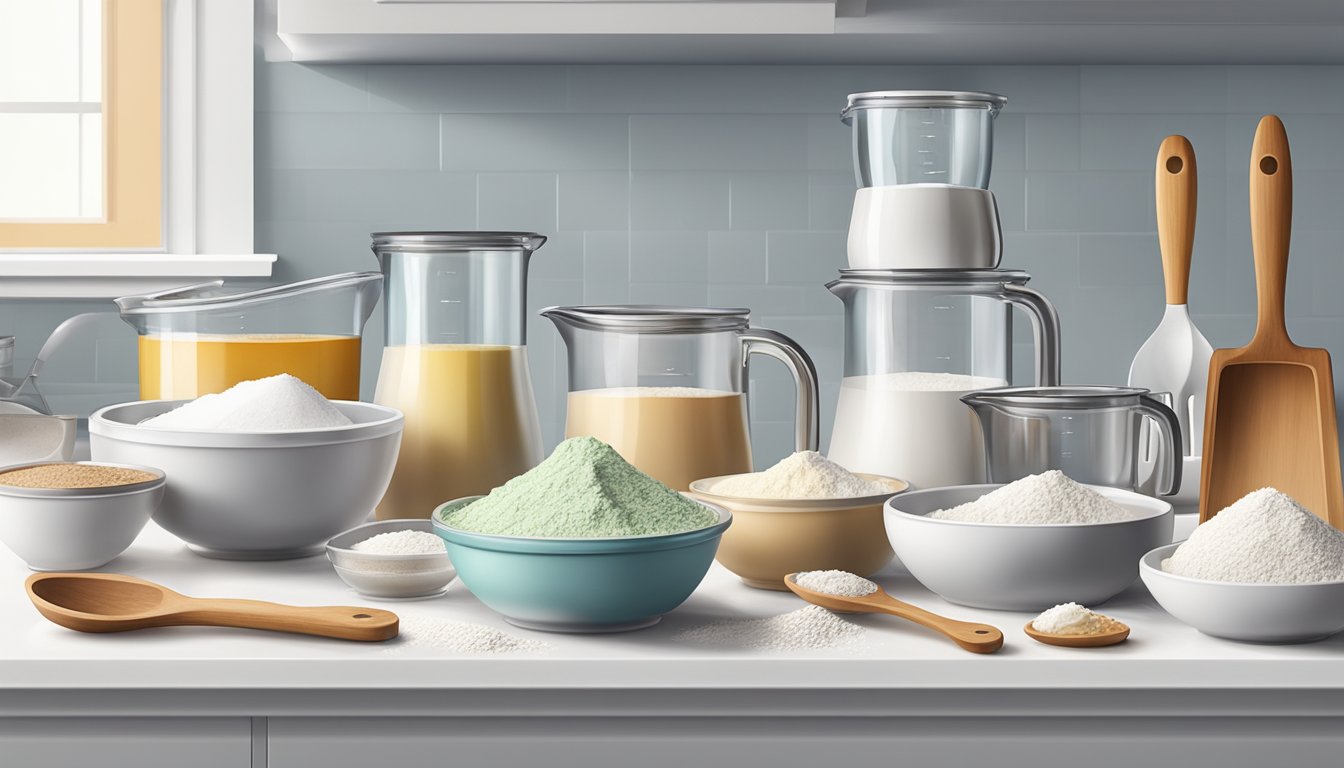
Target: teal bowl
<point>581,585</point>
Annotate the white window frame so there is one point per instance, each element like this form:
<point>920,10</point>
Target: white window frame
<point>208,180</point>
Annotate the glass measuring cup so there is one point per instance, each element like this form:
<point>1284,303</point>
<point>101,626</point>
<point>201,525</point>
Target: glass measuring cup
<point>202,339</point>
<point>923,137</point>
<point>666,386</point>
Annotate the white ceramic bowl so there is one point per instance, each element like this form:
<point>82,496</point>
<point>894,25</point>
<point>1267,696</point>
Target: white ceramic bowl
<point>74,529</point>
<point>1252,613</point>
<point>390,577</point>
<point>257,495</point>
<point>1022,567</point>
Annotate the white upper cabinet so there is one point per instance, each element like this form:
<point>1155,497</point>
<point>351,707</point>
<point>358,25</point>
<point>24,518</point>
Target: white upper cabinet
<point>784,31</point>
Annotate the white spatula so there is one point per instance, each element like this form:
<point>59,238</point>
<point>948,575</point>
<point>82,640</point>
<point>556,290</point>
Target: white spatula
<point>1175,358</point>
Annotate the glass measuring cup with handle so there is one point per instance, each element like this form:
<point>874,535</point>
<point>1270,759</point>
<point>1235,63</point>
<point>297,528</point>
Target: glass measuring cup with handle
<point>666,386</point>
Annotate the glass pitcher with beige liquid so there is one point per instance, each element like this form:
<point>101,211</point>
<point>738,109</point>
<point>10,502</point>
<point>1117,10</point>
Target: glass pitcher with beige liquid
<point>455,363</point>
<point>666,386</point>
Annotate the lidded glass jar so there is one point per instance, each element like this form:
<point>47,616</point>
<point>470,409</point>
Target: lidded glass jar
<point>923,137</point>
<point>915,342</point>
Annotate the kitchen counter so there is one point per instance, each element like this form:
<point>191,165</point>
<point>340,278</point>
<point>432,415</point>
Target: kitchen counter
<point>255,699</point>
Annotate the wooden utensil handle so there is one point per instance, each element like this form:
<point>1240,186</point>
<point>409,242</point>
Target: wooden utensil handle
<point>338,621</point>
<point>1271,222</point>
<point>974,637</point>
<point>1177,198</point>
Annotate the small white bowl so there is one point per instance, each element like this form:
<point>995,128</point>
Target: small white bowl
<point>1022,567</point>
<point>75,529</point>
<point>390,577</point>
<point>1251,613</point>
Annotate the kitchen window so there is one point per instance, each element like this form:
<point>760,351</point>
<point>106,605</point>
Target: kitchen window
<point>125,146</point>
<point>81,124</point>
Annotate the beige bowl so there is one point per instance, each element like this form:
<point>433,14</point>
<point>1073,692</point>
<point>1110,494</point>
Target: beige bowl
<point>771,538</point>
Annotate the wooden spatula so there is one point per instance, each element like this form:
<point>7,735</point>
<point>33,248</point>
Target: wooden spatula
<point>1271,404</point>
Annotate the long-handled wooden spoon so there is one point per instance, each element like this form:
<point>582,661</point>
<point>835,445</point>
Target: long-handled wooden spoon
<point>976,638</point>
<point>112,602</point>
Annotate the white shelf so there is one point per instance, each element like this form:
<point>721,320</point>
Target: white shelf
<point>108,275</point>
<point>787,31</point>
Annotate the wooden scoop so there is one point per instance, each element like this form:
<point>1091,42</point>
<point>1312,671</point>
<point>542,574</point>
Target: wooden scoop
<point>976,638</point>
<point>1271,403</point>
<point>1117,634</point>
<point>111,602</point>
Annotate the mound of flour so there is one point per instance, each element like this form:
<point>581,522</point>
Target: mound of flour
<point>1265,537</point>
<point>1050,498</point>
<point>803,475</point>
<point>809,628</point>
<point>273,404</point>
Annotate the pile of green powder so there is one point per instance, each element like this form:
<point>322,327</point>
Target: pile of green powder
<point>584,490</point>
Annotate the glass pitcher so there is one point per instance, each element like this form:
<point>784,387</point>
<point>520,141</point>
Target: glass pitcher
<point>915,342</point>
<point>455,363</point>
<point>666,386</point>
<point>203,339</point>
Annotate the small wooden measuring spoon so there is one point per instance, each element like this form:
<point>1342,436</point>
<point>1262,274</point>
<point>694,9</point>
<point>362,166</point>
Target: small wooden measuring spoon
<point>1111,636</point>
<point>112,602</point>
<point>976,638</point>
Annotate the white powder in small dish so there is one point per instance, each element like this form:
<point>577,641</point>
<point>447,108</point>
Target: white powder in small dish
<point>809,628</point>
<point>462,637</point>
<point>1265,537</point>
<point>1050,498</point>
<point>1069,619</point>
<point>841,583</point>
<point>408,542</point>
<point>804,475</point>
<point>274,404</point>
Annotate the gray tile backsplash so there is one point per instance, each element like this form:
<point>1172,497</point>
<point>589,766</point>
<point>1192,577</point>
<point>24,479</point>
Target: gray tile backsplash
<point>732,185</point>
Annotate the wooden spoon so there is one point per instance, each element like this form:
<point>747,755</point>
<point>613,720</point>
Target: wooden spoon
<point>976,638</point>
<point>112,602</point>
<point>1110,637</point>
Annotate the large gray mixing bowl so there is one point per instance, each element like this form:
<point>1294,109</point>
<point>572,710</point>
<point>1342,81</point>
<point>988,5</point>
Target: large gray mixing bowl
<point>257,495</point>
<point>1021,567</point>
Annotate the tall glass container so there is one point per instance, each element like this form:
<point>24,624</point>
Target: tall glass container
<point>666,386</point>
<point>455,363</point>
<point>915,342</point>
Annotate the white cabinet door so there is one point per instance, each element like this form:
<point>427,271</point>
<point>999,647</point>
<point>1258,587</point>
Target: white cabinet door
<point>125,742</point>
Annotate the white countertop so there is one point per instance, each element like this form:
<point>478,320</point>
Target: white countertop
<point>1161,654</point>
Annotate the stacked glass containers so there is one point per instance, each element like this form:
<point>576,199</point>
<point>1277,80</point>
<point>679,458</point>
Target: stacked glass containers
<point>455,363</point>
<point>935,322</point>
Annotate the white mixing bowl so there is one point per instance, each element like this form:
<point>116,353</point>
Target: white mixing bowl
<point>1253,613</point>
<point>257,495</point>
<point>1022,567</point>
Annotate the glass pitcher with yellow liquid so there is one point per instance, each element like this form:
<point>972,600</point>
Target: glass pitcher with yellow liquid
<point>456,364</point>
<point>202,339</point>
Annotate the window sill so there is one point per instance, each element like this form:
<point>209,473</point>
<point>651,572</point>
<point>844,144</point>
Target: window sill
<point>108,275</point>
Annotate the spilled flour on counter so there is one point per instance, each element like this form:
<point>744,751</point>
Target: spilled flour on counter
<point>462,637</point>
<point>809,628</point>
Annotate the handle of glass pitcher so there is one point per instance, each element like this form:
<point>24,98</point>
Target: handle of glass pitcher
<point>1170,429</point>
<point>1044,329</point>
<point>772,344</point>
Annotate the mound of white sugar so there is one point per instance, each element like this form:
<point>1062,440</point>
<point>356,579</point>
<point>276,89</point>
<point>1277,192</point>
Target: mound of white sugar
<point>401,543</point>
<point>273,404</point>
<point>842,583</point>
<point>1068,619</point>
<point>1050,498</point>
<point>804,475</point>
<point>461,637</point>
<point>1265,537</point>
<point>809,628</point>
